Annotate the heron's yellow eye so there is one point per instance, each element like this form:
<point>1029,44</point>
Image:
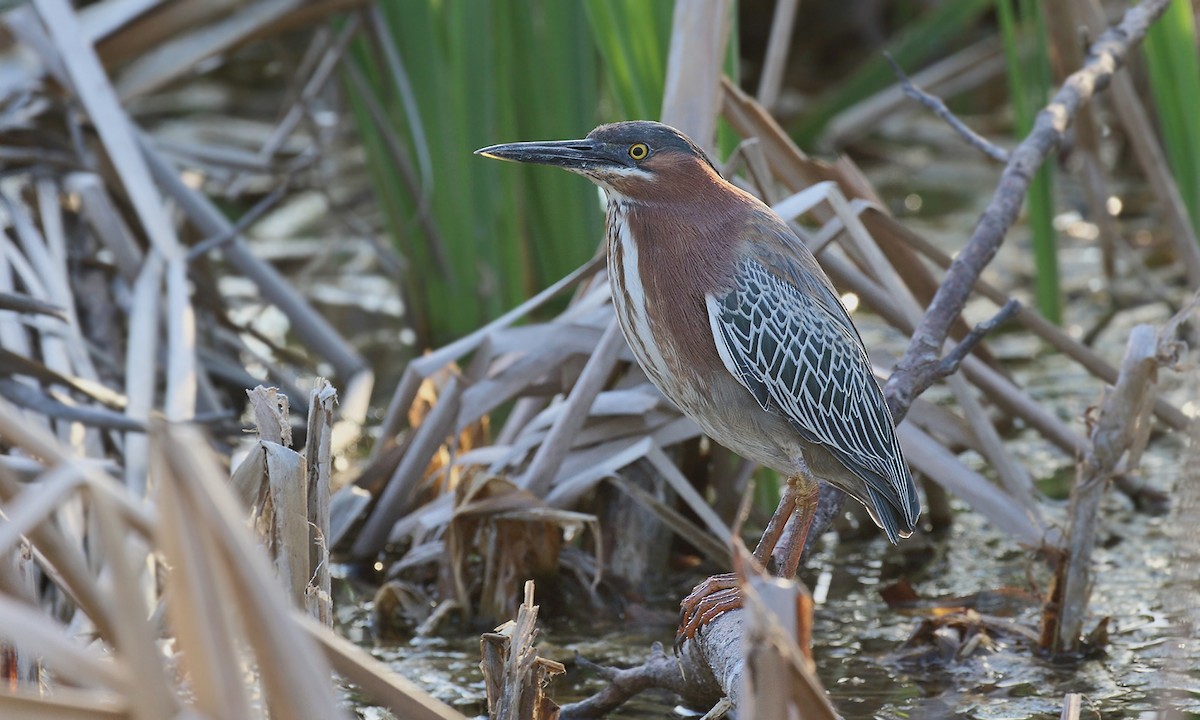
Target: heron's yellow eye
<point>638,151</point>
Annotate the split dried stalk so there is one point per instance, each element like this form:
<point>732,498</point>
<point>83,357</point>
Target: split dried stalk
<point>514,676</point>
<point>776,55</point>
<point>1072,705</point>
<point>692,96</point>
<point>554,448</point>
<point>319,457</point>
<point>780,677</point>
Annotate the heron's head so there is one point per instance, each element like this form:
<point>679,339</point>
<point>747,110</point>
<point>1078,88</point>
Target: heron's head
<point>639,160</point>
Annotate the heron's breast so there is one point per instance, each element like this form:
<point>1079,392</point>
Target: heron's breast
<point>663,314</point>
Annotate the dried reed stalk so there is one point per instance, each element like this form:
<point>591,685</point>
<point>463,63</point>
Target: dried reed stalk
<point>1121,430</point>
<point>225,607</point>
<point>514,676</point>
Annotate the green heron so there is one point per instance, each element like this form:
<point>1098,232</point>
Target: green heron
<point>732,318</point>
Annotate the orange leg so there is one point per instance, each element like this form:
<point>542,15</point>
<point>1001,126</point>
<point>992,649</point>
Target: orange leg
<point>719,593</point>
<point>806,510</point>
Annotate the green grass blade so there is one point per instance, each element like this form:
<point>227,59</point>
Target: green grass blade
<point>632,37</point>
<point>483,72</point>
<point>1174,70</point>
<point>1029,84</point>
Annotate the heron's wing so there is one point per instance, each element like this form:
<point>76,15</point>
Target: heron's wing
<point>798,353</point>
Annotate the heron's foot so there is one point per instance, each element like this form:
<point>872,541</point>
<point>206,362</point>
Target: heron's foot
<point>714,596</point>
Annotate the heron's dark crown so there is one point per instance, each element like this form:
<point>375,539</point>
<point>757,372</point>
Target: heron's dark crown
<point>659,137</point>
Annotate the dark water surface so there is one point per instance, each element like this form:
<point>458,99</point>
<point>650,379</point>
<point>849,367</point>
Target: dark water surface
<point>1152,662</point>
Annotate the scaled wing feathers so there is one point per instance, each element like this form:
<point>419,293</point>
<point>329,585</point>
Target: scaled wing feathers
<point>798,354</point>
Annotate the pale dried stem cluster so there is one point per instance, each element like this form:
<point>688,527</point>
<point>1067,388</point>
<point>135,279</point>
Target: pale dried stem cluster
<point>222,615</point>
<point>166,607</point>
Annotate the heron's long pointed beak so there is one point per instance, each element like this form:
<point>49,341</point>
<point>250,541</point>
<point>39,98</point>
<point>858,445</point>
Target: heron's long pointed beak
<point>569,154</point>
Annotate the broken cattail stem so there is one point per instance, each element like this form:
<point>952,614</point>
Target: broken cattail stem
<point>779,677</point>
<point>1072,704</point>
<point>1122,411</point>
<point>320,462</point>
<point>514,676</point>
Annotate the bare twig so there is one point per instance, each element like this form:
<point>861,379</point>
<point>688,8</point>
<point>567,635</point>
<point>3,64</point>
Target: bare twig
<point>954,358</point>
<point>1038,325</point>
<point>249,218</point>
<point>330,59</point>
<point>935,104</point>
<point>33,399</point>
<point>658,671</point>
<point>22,303</point>
<point>921,365</point>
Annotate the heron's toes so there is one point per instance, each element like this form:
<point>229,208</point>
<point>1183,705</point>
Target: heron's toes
<point>716,595</point>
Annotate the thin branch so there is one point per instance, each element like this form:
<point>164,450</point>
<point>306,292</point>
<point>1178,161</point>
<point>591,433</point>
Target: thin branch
<point>22,303</point>
<point>252,216</point>
<point>31,398</point>
<point>935,104</point>
<point>949,364</point>
<point>658,671</point>
<point>921,365</point>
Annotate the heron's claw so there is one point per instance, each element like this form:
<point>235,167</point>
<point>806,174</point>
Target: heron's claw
<point>716,595</point>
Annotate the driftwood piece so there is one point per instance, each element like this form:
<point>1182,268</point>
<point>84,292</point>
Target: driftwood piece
<point>638,503</point>
<point>658,671</point>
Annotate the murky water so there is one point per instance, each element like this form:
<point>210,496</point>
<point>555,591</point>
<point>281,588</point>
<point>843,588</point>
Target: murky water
<point>869,674</point>
<point>1152,662</point>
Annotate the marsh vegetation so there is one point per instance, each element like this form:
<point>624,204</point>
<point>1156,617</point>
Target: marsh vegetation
<point>207,209</point>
